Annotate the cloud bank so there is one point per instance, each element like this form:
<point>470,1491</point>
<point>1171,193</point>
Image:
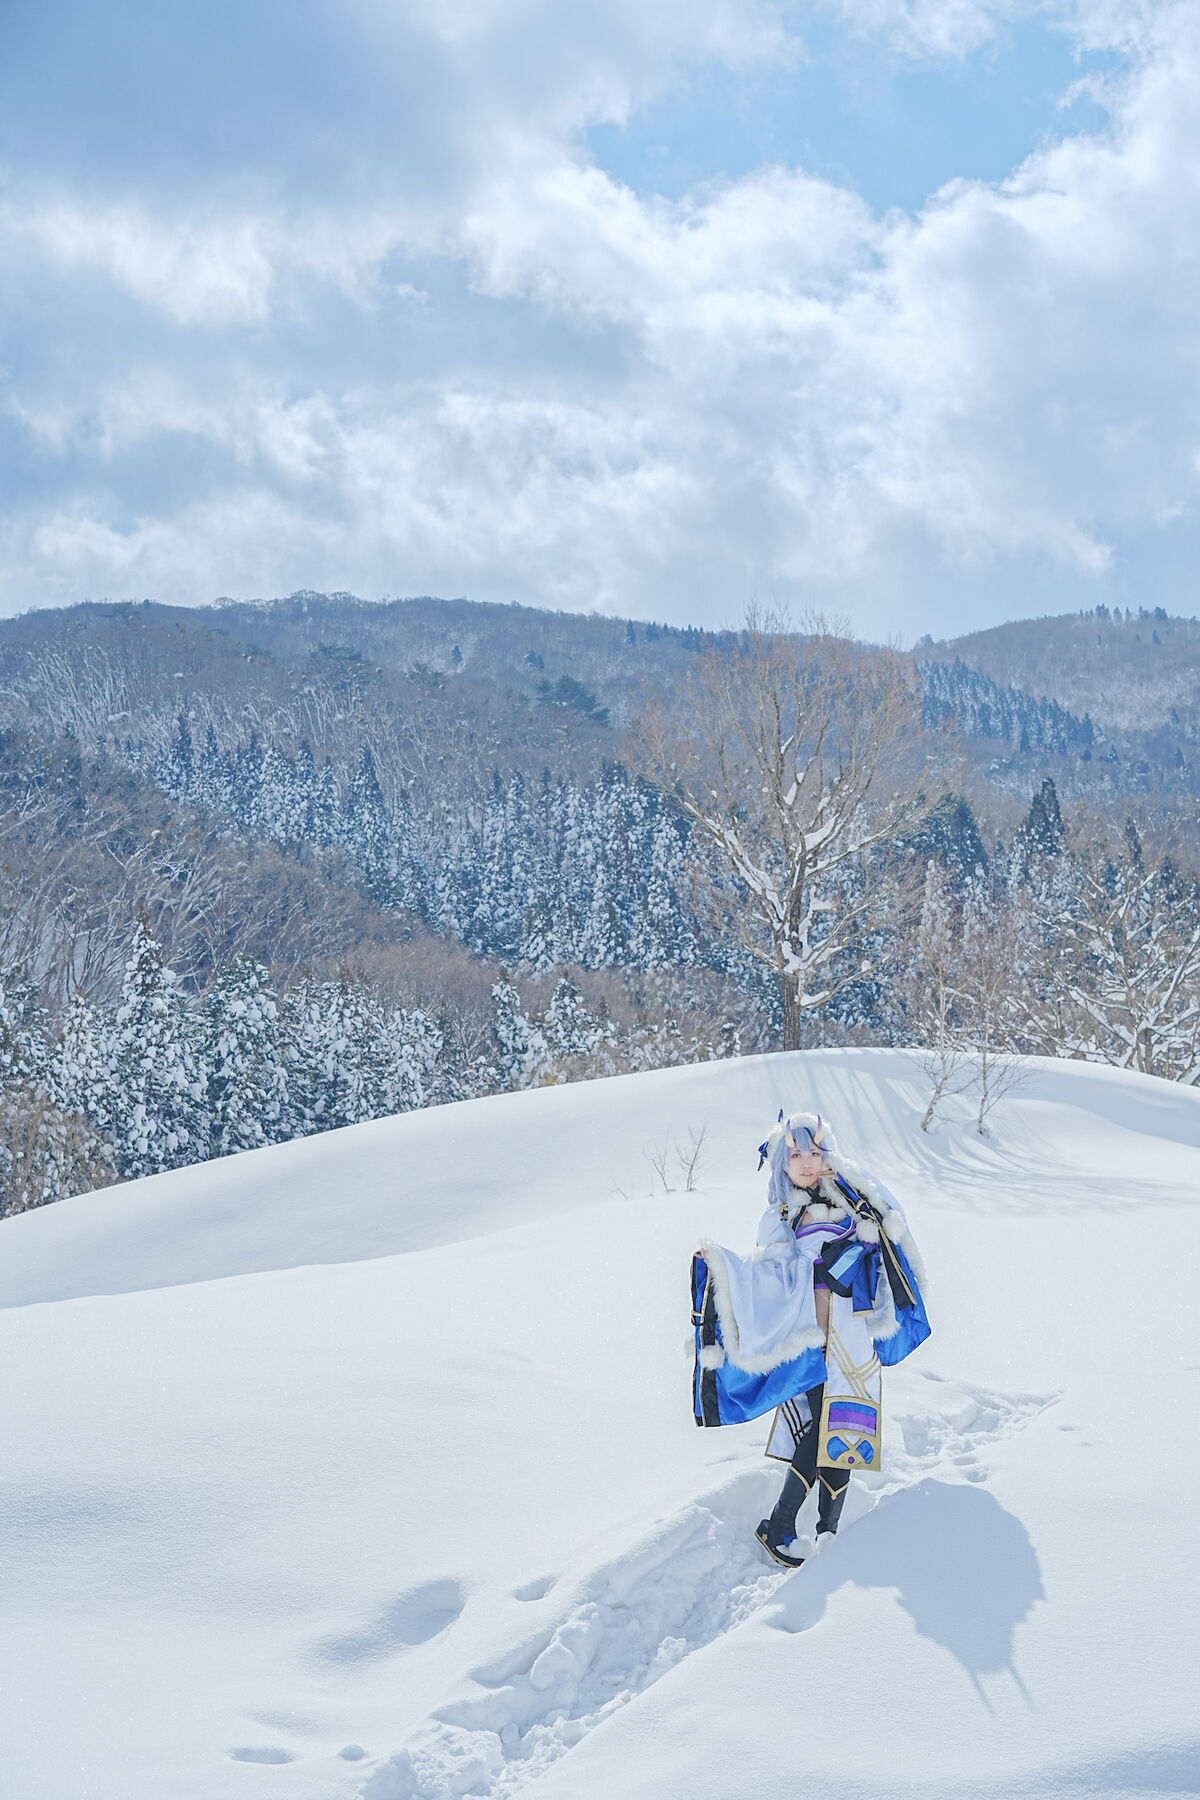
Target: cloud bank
<point>356,307</point>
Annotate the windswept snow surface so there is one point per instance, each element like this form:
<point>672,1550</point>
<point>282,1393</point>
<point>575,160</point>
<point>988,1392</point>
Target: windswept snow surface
<point>365,1466</point>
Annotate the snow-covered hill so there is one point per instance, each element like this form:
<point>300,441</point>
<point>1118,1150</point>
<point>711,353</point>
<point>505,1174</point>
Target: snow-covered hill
<point>365,1465</point>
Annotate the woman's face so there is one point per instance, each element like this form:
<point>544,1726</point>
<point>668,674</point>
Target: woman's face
<point>805,1166</point>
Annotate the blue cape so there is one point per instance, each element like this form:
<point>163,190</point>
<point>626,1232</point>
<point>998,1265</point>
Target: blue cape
<point>729,1396</point>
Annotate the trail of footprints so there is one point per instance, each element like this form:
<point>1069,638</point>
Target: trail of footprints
<point>699,1576</point>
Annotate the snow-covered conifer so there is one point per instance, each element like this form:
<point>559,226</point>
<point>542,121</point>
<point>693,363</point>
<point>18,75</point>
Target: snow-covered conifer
<point>336,1053</point>
<point>23,1049</point>
<point>159,1115</point>
<point>523,1055</point>
<point>366,826</point>
<point>568,1026</point>
<point>247,1082</point>
<point>83,1076</point>
<point>414,1045</point>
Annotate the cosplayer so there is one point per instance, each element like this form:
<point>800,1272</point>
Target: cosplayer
<point>803,1325</point>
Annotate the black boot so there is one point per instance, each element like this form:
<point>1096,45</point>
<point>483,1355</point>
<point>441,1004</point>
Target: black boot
<point>831,1497</point>
<point>777,1535</point>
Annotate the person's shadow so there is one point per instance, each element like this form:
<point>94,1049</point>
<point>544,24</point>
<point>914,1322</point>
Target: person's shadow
<point>963,1568</point>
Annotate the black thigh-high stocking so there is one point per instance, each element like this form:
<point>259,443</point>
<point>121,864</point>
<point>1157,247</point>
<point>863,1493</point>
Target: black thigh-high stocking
<point>802,1474</point>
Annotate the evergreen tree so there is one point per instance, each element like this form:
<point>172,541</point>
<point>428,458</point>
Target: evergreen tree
<point>1043,829</point>
<point>951,835</point>
<point>337,1056</point>
<point>159,1115</point>
<point>415,1046</point>
<point>568,1026</point>
<point>366,830</point>
<point>83,1075</point>
<point>23,1052</point>
<point>326,807</point>
<point>245,785</point>
<point>602,941</point>
<point>539,947</point>
<point>523,1055</point>
<point>247,1082</point>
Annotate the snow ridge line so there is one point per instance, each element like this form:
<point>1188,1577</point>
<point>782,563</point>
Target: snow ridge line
<point>698,1577</point>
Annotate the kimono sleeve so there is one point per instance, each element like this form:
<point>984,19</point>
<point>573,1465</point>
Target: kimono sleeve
<point>775,1234</point>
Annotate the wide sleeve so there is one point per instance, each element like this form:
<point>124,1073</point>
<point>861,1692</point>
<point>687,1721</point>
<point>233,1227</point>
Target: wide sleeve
<point>775,1233</point>
<point>764,1302</point>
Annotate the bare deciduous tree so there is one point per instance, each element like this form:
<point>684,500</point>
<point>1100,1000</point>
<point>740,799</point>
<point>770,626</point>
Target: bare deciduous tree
<point>794,755</point>
<point>991,999</point>
<point>47,1153</point>
<point>934,1000</point>
<point>658,1156</point>
<point>690,1155</point>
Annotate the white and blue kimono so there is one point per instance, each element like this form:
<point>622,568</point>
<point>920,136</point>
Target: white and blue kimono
<point>758,1345</point>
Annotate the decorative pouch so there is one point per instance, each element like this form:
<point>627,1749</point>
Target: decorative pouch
<point>851,1434</point>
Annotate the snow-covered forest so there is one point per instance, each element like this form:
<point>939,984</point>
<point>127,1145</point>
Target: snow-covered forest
<point>274,870</point>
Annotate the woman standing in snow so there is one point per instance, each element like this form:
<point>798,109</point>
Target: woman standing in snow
<point>803,1325</point>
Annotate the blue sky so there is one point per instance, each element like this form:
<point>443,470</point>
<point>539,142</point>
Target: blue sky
<point>895,127</point>
<point>885,308</point>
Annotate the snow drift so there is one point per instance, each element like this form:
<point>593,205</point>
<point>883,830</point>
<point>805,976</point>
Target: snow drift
<point>365,1465</point>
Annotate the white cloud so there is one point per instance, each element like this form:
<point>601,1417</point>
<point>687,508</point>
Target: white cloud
<point>929,27</point>
<point>763,387</point>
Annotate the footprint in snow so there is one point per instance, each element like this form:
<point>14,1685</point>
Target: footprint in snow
<point>694,1579</point>
<point>535,1590</point>
<point>413,1618</point>
<point>960,1421</point>
<point>697,1577</point>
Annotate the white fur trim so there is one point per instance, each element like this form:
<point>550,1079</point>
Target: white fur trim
<point>821,1210</point>
<point>881,1321</point>
<point>809,1337</point>
<point>809,1120</point>
<point>712,1357</point>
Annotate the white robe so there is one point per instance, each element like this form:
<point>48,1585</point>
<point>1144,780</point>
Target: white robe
<point>766,1306</point>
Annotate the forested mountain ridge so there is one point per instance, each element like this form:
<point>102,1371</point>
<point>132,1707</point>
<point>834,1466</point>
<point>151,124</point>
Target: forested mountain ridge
<point>1132,670</point>
<point>519,689</point>
<point>384,855</point>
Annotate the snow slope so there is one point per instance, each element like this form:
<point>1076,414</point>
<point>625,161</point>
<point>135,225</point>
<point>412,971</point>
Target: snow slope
<point>365,1466</point>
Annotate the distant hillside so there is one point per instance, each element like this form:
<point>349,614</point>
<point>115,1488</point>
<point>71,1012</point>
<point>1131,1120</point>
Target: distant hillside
<point>325,655</point>
<point>454,691</point>
<point>1132,672</point>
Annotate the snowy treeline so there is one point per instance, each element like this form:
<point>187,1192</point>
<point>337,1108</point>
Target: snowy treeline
<point>1085,947</point>
<point>982,708</point>
<point>541,872</point>
<point>1067,946</point>
<point>162,1079</point>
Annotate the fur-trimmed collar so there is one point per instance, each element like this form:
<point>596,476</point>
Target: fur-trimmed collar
<point>832,1205</point>
<point>817,1210</point>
